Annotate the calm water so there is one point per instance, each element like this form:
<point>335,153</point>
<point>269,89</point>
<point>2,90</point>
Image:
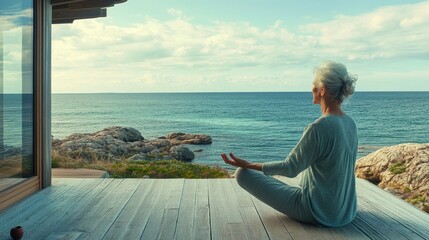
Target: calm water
<point>256,126</point>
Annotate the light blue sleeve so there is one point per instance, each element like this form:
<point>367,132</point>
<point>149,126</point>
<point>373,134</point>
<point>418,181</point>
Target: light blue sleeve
<point>301,157</point>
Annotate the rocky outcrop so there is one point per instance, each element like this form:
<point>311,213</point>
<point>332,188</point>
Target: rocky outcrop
<point>116,143</point>
<point>183,138</point>
<point>9,151</point>
<point>402,169</point>
<point>182,153</point>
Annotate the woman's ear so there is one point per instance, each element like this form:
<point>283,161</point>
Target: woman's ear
<point>322,91</point>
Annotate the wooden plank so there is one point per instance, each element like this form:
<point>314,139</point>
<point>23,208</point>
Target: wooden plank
<point>159,217</point>
<point>406,214</point>
<point>175,193</point>
<point>349,230</point>
<point>120,228</point>
<point>218,214</point>
<point>70,216</point>
<point>202,229</point>
<point>368,229</point>
<point>306,231</point>
<point>251,220</point>
<point>67,209</point>
<point>168,223</point>
<point>378,195</point>
<point>31,209</point>
<point>385,222</point>
<point>226,220</point>
<point>66,236</point>
<point>33,204</point>
<point>193,221</point>
<point>272,222</point>
<point>186,218</point>
<point>252,223</point>
<point>53,215</point>
<point>100,217</point>
<point>140,219</point>
<point>381,226</point>
<point>171,210</point>
<point>244,197</point>
<point>151,209</point>
<point>78,173</point>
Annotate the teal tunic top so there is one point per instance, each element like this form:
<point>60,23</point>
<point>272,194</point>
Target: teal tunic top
<point>326,154</point>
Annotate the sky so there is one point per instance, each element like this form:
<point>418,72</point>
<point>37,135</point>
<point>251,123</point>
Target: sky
<point>242,46</point>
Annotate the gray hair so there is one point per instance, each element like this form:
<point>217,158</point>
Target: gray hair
<point>337,81</point>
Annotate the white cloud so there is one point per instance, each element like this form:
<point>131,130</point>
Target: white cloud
<point>389,32</point>
<point>208,56</point>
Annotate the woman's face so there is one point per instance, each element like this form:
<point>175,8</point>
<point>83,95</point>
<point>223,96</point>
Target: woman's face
<point>316,94</point>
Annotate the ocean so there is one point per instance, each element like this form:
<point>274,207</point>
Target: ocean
<point>258,127</point>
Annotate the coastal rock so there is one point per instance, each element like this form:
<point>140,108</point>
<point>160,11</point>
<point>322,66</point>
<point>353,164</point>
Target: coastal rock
<point>183,138</point>
<point>126,134</point>
<point>182,153</point>
<point>402,169</point>
<point>138,157</point>
<point>9,151</point>
<point>116,143</point>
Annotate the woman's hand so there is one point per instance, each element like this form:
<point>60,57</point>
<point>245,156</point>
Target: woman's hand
<point>238,162</point>
<point>235,161</point>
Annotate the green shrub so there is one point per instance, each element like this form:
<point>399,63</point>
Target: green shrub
<point>54,163</point>
<point>397,168</point>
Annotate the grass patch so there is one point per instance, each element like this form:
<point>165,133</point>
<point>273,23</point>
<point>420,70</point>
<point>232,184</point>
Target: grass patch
<point>166,169</point>
<point>397,168</point>
<point>417,200</point>
<point>142,169</point>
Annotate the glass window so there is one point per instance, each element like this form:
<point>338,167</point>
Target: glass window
<point>16,92</point>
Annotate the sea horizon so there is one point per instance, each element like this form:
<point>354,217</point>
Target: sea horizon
<point>208,92</point>
<point>258,126</point>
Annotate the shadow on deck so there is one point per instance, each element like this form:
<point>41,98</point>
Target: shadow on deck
<point>193,209</point>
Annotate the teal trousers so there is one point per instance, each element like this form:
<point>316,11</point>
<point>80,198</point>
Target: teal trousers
<point>279,195</point>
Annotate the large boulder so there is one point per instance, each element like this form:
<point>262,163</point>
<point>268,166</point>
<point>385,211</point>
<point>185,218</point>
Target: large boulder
<point>184,138</point>
<point>111,143</point>
<point>402,169</point>
<point>126,134</point>
<point>182,153</point>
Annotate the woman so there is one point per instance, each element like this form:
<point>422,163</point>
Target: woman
<point>326,154</point>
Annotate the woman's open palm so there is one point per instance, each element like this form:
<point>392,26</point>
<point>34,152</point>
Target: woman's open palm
<point>235,161</point>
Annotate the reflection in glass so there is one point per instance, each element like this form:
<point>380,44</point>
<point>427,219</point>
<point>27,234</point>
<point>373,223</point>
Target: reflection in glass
<point>16,92</point>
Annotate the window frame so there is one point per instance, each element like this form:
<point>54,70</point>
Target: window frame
<point>42,18</point>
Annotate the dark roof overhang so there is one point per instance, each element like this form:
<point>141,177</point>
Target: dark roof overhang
<point>66,11</point>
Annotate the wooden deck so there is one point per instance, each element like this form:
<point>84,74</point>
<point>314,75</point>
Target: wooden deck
<point>78,173</point>
<point>193,209</point>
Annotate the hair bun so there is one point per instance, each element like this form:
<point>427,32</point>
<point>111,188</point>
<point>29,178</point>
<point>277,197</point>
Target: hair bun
<point>337,80</point>
<point>349,85</point>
